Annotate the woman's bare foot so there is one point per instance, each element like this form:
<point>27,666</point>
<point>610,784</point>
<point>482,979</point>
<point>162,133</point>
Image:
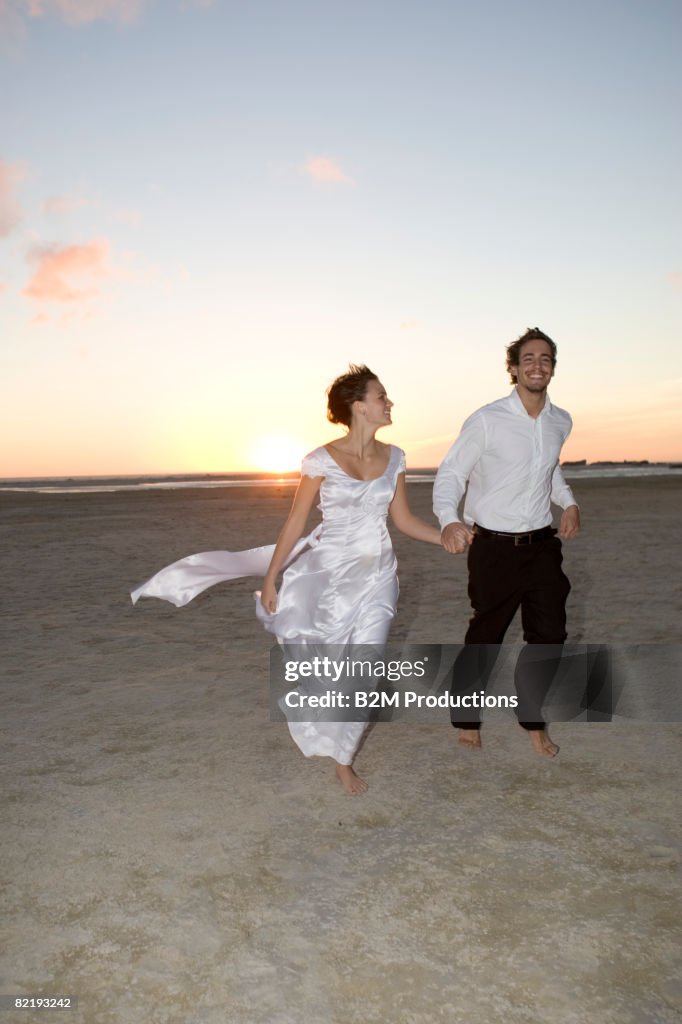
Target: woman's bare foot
<point>470,738</point>
<point>542,744</point>
<point>351,782</point>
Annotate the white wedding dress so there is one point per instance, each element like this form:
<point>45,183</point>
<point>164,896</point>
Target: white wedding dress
<point>340,586</point>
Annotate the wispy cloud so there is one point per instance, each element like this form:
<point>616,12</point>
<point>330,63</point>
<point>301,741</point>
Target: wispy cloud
<point>675,279</point>
<point>68,273</point>
<point>128,215</point>
<point>10,211</point>
<point>57,206</point>
<point>80,12</point>
<point>324,169</point>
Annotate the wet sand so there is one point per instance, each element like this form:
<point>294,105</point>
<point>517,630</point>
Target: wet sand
<point>168,855</point>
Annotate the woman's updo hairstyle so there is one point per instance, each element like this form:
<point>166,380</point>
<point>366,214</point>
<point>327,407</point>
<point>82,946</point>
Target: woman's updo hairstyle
<point>348,388</point>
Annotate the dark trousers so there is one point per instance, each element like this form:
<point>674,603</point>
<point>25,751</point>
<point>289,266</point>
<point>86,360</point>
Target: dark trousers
<point>502,578</point>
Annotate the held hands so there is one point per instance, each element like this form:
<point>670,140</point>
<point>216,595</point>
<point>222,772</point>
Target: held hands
<point>268,597</point>
<point>455,538</point>
<point>569,525</point>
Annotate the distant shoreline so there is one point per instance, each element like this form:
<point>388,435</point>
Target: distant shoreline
<point>574,470</point>
<point>622,462</point>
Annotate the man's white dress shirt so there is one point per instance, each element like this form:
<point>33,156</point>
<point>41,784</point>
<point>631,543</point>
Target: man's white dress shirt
<point>511,463</point>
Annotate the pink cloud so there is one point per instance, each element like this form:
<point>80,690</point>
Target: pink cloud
<point>59,205</point>
<point>67,273</point>
<point>10,211</point>
<point>80,12</point>
<point>321,168</point>
<point>675,279</point>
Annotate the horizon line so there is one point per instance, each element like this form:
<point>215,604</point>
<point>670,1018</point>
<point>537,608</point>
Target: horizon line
<point>292,473</point>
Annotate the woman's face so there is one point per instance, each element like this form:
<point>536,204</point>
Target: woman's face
<point>376,405</point>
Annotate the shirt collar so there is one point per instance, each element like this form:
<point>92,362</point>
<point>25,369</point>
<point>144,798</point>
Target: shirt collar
<point>519,408</point>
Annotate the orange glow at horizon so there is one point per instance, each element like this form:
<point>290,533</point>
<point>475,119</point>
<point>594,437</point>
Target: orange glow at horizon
<point>212,448</point>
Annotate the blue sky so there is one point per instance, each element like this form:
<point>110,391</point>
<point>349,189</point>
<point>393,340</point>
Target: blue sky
<point>207,210</point>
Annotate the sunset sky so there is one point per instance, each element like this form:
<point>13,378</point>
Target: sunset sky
<point>207,209</point>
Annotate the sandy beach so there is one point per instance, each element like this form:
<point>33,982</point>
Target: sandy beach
<point>168,856</point>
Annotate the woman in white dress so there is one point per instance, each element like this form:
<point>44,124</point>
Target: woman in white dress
<point>340,587</point>
<point>344,588</point>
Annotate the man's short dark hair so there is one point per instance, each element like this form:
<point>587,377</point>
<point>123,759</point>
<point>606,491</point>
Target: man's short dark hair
<point>532,334</point>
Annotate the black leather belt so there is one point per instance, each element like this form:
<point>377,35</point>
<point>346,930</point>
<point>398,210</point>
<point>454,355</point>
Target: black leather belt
<point>530,537</point>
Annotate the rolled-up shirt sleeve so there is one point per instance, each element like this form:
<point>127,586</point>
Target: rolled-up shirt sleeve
<point>561,495</point>
<point>455,469</point>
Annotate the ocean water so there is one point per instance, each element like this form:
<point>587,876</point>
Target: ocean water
<point>108,484</point>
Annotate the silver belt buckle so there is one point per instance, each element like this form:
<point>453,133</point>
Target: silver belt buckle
<point>521,538</point>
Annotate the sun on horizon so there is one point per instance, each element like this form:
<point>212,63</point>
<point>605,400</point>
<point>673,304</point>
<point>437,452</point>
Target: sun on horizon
<point>278,454</point>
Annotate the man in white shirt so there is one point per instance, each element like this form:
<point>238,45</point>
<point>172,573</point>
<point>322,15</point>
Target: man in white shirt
<point>508,455</point>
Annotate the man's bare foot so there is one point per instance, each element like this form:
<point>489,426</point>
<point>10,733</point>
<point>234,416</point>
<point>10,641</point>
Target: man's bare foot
<point>351,782</point>
<point>542,744</point>
<point>470,738</point>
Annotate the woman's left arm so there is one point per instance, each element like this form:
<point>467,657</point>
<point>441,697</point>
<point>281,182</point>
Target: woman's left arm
<point>406,521</point>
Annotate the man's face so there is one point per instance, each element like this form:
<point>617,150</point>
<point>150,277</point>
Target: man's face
<point>535,369</point>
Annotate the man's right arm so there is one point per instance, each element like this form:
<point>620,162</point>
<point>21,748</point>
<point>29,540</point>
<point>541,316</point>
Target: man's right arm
<point>451,480</point>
